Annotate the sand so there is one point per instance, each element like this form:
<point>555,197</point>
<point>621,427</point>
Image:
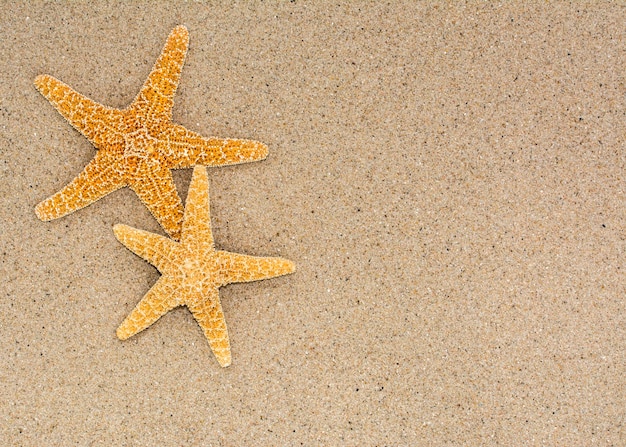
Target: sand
<point>449,180</point>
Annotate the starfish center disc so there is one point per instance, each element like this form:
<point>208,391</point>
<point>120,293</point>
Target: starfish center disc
<point>193,274</point>
<point>140,144</point>
<point>140,150</point>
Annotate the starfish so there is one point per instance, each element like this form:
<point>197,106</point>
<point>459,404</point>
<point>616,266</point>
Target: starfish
<point>139,145</point>
<point>193,271</point>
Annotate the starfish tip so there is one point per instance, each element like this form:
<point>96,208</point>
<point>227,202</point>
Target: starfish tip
<point>40,211</point>
<point>264,150</point>
<point>122,334</point>
<point>120,230</point>
<point>41,81</point>
<point>181,31</point>
<point>224,361</point>
<point>290,266</point>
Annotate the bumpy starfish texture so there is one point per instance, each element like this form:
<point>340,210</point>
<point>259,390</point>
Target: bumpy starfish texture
<point>192,271</point>
<point>139,145</point>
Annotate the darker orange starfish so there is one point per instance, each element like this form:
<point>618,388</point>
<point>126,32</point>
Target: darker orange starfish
<point>139,145</point>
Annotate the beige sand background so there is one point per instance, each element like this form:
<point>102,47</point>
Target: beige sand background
<point>449,180</point>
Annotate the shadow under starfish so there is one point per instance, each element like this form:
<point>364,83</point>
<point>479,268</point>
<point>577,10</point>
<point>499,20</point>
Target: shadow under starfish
<point>139,145</point>
<point>193,271</point>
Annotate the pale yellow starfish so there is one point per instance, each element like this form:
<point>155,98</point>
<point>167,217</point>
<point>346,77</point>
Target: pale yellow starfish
<point>192,271</point>
<point>139,145</point>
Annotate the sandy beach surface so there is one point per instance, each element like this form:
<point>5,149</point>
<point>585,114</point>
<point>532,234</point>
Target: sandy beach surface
<point>448,178</point>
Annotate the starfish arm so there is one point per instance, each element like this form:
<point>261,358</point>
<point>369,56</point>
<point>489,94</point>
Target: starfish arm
<point>101,125</point>
<point>157,94</point>
<point>159,300</point>
<point>208,313</point>
<point>184,148</point>
<point>155,187</point>
<point>100,177</point>
<point>235,267</point>
<point>196,229</point>
<point>158,250</point>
